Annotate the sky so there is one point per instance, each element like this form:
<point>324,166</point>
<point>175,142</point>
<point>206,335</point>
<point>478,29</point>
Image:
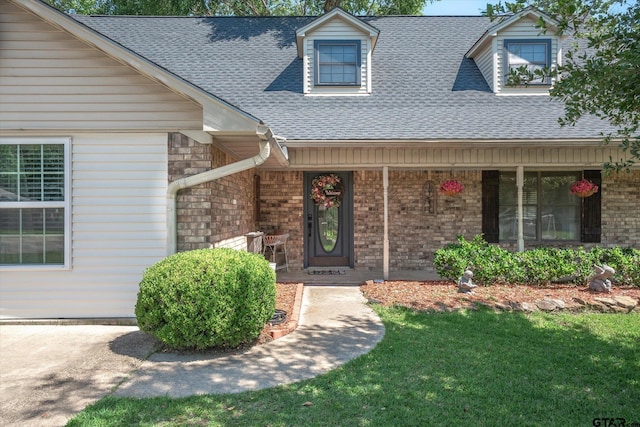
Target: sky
<point>456,7</point>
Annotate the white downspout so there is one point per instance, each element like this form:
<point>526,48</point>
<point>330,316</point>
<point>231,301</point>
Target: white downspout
<point>201,178</point>
<point>385,250</point>
<point>520,185</point>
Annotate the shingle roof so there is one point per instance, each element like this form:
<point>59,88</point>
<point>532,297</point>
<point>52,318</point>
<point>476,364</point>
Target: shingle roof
<point>423,86</point>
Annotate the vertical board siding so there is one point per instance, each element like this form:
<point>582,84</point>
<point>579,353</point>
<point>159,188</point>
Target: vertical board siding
<point>118,204</point>
<point>326,157</point>
<point>50,80</point>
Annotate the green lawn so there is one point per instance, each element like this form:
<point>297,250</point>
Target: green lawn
<point>473,368</point>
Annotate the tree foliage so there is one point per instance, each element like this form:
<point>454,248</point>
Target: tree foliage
<point>600,74</point>
<point>238,7</point>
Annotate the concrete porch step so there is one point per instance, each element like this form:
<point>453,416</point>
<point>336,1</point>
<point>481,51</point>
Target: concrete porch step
<point>348,276</point>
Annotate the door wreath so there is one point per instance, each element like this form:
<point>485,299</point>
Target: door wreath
<point>326,190</point>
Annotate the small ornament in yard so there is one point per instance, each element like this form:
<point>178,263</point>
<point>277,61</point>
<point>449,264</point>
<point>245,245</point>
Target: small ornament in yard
<point>465,284</point>
<point>451,187</point>
<point>326,190</point>
<point>583,188</point>
<point>600,281</point>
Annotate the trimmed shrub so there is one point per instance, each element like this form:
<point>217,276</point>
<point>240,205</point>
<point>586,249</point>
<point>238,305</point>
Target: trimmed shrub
<point>206,298</point>
<point>492,264</point>
<point>489,263</point>
<point>545,265</point>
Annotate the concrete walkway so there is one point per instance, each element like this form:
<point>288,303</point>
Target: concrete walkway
<point>335,327</point>
<point>50,373</point>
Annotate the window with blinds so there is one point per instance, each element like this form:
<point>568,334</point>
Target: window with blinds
<point>550,212</point>
<point>33,201</point>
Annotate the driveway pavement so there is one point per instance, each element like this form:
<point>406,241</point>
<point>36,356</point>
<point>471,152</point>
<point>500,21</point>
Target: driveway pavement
<point>50,373</point>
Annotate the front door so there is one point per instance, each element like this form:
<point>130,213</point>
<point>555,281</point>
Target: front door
<point>328,219</point>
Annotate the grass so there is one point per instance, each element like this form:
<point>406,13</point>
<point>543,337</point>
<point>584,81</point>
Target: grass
<point>467,368</point>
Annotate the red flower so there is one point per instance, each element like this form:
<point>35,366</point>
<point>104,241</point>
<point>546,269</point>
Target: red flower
<point>451,187</point>
<point>583,188</point>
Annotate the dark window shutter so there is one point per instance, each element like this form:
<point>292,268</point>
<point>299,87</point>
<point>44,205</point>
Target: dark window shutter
<point>590,227</point>
<point>490,206</point>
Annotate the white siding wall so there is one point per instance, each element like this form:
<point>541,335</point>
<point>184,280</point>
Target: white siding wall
<point>119,186</point>
<point>336,30</point>
<point>523,29</point>
<point>484,61</point>
<point>50,80</point>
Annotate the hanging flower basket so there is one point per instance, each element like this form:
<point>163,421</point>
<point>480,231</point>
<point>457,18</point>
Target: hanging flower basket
<point>327,190</point>
<point>583,188</point>
<point>451,187</point>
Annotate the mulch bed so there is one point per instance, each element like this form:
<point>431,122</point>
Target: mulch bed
<point>285,300</point>
<point>444,295</point>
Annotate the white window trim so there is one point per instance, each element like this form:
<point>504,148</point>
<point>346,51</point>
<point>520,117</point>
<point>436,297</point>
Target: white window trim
<point>66,142</point>
<point>310,89</point>
<point>317,44</point>
<point>546,42</point>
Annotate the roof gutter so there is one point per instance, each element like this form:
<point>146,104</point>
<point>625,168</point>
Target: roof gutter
<point>267,139</point>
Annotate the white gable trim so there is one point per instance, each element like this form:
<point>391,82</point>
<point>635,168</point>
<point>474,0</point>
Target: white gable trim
<point>493,31</point>
<point>215,108</point>
<point>336,13</point>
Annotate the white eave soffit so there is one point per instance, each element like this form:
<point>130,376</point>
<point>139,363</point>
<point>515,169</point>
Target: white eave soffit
<point>336,13</point>
<point>493,31</point>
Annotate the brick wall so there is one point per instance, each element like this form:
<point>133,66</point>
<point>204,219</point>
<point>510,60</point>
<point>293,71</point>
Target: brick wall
<point>621,209</point>
<point>187,157</point>
<point>281,209</point>
<point>232,202</point>
<point>368,219</point>
<point>420,223</point>
<point>214,212</point>
<point>414,234</point>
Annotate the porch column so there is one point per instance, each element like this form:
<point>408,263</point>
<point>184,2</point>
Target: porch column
<point>520,185</point>
<point>385,250</point>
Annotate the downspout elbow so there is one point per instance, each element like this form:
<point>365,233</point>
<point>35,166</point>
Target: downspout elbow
<point>201,178</point>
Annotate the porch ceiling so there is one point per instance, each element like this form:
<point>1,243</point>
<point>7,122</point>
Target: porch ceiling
<point>245,146</point>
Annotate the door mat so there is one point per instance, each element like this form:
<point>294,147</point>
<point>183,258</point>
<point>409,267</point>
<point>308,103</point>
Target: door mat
<point>328,272</point>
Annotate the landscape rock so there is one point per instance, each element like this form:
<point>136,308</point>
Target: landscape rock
<point>558,302</point>
<point>503,307</point>
<point>606,301</point>
<point>599,307</point>
<point>618,309</point>
<point>524,306</point>
<point>626,302</point>
<point>579,301</point>
<point>546,305</point>
<point>574,306</point>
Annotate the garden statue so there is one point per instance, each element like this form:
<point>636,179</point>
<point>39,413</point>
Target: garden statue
<point>600,281</point>
<point>465,285</point>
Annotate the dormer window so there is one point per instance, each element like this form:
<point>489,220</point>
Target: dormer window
<point>532,54</point>
<point>337,62</point>
<point>336,51</point>
<point>515,43</point>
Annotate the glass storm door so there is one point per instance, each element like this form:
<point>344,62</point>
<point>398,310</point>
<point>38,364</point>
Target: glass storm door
<point>328,219</point>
